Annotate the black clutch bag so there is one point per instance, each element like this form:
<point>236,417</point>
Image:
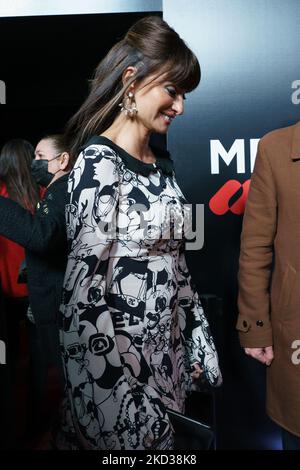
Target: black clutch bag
<point>190,433</point>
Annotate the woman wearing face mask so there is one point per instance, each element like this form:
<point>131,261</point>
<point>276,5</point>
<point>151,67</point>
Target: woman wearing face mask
<point>47,166</point>
<point>17,184</point>
<point>43,235</point>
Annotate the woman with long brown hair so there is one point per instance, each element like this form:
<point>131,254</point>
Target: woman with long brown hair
<point>16,183</point>
<point>134,337</point>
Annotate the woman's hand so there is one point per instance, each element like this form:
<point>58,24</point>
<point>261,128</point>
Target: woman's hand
<point>196,370</point>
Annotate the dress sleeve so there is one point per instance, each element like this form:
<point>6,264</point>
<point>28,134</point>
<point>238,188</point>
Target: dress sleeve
<point>197,338</point>
<point>90,216</point>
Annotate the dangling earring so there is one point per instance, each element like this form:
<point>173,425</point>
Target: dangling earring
<point>128,105</point>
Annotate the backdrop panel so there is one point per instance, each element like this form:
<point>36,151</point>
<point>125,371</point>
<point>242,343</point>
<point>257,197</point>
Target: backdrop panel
<point>75,7</point>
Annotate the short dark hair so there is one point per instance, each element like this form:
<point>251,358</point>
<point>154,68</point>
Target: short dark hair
<point>60,144</point>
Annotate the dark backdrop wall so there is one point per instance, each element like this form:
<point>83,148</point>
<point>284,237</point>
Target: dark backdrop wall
<point>46,62</point>
<point>250,85</point>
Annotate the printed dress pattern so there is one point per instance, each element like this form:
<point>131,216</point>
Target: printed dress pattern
<point>132,324</point>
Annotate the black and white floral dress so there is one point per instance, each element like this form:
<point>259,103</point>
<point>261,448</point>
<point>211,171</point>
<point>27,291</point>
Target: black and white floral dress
<point>131,322</point>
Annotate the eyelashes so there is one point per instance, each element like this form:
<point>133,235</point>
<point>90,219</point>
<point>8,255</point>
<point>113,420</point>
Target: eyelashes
<point>173,92</point>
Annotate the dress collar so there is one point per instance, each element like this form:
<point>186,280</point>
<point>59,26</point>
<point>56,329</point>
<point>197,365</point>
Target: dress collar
<point>163,160</point>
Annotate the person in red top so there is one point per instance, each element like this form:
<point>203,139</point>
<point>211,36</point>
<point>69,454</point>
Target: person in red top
<point>43,236</point>
<point>17,184</point>
<point>11,257</point>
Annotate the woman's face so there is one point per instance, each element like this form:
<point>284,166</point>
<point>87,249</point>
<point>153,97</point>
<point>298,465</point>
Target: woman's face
<point>158,103</point>
<point>45,150</point>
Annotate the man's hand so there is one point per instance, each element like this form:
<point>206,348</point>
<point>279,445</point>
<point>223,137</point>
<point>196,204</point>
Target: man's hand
<point>264,355</point>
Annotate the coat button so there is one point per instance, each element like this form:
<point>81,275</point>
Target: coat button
<point>245,324</point>
<point>260,323</point>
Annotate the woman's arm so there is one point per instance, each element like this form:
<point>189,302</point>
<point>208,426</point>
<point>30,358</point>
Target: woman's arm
<point>198,341</point>
<point>38,232</point>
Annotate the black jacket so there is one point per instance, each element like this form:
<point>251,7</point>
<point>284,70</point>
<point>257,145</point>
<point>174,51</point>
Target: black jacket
<point>43,235</point>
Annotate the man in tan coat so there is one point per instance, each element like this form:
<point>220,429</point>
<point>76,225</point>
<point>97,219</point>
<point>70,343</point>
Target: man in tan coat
<point>269,275</point>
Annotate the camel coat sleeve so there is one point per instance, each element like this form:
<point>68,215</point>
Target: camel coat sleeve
<point>256,256</point>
